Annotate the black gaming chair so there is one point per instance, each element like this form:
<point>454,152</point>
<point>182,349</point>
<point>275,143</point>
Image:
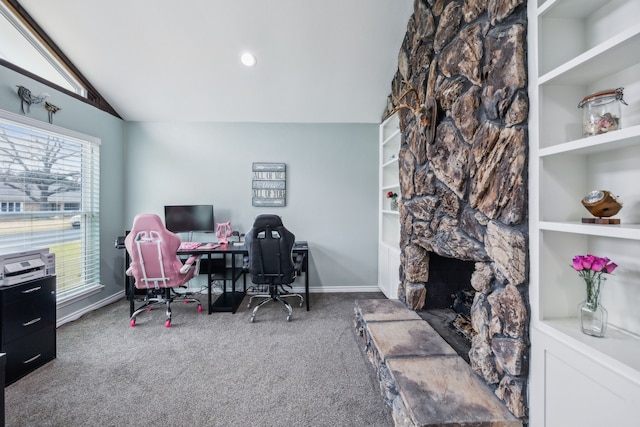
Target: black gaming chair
<point>270,263</point>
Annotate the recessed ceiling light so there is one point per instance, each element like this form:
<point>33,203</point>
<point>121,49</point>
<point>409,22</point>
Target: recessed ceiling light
<point>248,59</point>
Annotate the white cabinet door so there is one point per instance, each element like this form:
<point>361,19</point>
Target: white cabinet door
<point>388,270</point>
<point>394,273</point>
<point>383,269</point>
<point>570,388</point>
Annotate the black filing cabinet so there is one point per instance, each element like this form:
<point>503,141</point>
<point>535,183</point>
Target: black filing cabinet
<point>28,315</point>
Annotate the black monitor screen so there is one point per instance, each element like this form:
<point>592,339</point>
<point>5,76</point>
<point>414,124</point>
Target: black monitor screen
<point>186,218</point>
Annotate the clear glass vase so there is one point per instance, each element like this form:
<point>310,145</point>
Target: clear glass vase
<point>593,316</point>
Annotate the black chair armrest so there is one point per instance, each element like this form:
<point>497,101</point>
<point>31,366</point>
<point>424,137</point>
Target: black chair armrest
<point>192,262</point>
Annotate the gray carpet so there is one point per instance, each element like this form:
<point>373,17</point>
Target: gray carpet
<point>206,370</point>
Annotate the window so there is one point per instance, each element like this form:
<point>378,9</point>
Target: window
<point>49,194</point>
<point>22,48</point>
<point>27,49</point>
<point>10,207</point>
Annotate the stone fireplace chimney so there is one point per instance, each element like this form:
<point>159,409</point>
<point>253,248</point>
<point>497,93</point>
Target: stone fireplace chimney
<point>463,193</point>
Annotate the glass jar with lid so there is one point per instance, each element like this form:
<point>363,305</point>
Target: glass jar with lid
<point>601,112</point>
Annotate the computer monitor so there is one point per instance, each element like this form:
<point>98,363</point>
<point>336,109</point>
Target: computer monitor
<point>189,218</point>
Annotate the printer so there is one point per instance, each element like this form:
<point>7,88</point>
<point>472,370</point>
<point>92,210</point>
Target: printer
<point>20,267</point>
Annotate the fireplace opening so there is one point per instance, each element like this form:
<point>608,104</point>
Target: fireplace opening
<point>448,301</point>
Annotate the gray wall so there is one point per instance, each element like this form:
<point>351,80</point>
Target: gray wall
<point>332,180</point>
<point>81,117</point>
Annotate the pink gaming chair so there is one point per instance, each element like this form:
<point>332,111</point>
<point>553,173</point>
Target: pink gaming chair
<point>156,267</point>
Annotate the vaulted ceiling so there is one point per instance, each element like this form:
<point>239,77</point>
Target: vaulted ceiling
<point>317,61</point>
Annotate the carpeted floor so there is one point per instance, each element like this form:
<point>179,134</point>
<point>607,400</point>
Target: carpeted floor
<point>206,370</point>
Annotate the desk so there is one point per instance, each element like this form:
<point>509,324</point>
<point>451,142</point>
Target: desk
<point>225,302</point>
<point>230,301</point>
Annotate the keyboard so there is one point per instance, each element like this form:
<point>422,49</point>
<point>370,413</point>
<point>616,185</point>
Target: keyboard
<point>189,246</point>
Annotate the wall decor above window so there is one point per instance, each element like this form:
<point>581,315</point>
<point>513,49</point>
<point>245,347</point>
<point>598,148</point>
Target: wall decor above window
<point>268,185</point>
<point>26,98</point>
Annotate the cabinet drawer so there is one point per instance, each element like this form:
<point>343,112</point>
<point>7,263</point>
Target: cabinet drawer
<point>33,289</point>
<point>28,353</point>
<point>27,316</point>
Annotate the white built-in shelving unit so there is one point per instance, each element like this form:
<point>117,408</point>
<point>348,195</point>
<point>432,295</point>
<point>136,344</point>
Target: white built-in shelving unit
<point>389,220</point>
<point>579,47</point>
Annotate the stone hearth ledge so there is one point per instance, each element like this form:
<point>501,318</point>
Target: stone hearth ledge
<point>421,377</point>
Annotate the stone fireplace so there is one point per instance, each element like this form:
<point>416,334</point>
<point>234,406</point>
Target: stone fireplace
<point>464,190</point>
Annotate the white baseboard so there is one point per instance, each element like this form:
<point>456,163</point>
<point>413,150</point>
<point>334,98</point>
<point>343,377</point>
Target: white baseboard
<point>328,289</point>
<point>76,315</point>
<point>336,289</point>
<point>299,289</point>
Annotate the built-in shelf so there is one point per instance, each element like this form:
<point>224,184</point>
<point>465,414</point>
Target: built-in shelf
<point>620,139</point>
<point>568,8</point>
<point>619,349</point>
<point>615,54</point>
<point>389,219</point>
<point>394,134</point>
<point>390,162</point>
<point>617,231</point>
<point>576,48</point>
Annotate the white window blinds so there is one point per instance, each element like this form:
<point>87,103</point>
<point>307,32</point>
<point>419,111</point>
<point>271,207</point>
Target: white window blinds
<point>49,197</point>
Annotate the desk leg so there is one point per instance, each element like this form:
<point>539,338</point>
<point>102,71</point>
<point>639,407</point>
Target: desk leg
<point>129,288</point>
<point>209,283</point>
<point>238,296</point>
<point>233,283</point>
<point>132,292</point>
<point>306,279</point>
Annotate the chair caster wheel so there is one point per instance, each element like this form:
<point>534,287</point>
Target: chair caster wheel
<point>167,324</point>
<point>133,322</point>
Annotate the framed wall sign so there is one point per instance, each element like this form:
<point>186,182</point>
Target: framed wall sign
<point>268,184</point>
